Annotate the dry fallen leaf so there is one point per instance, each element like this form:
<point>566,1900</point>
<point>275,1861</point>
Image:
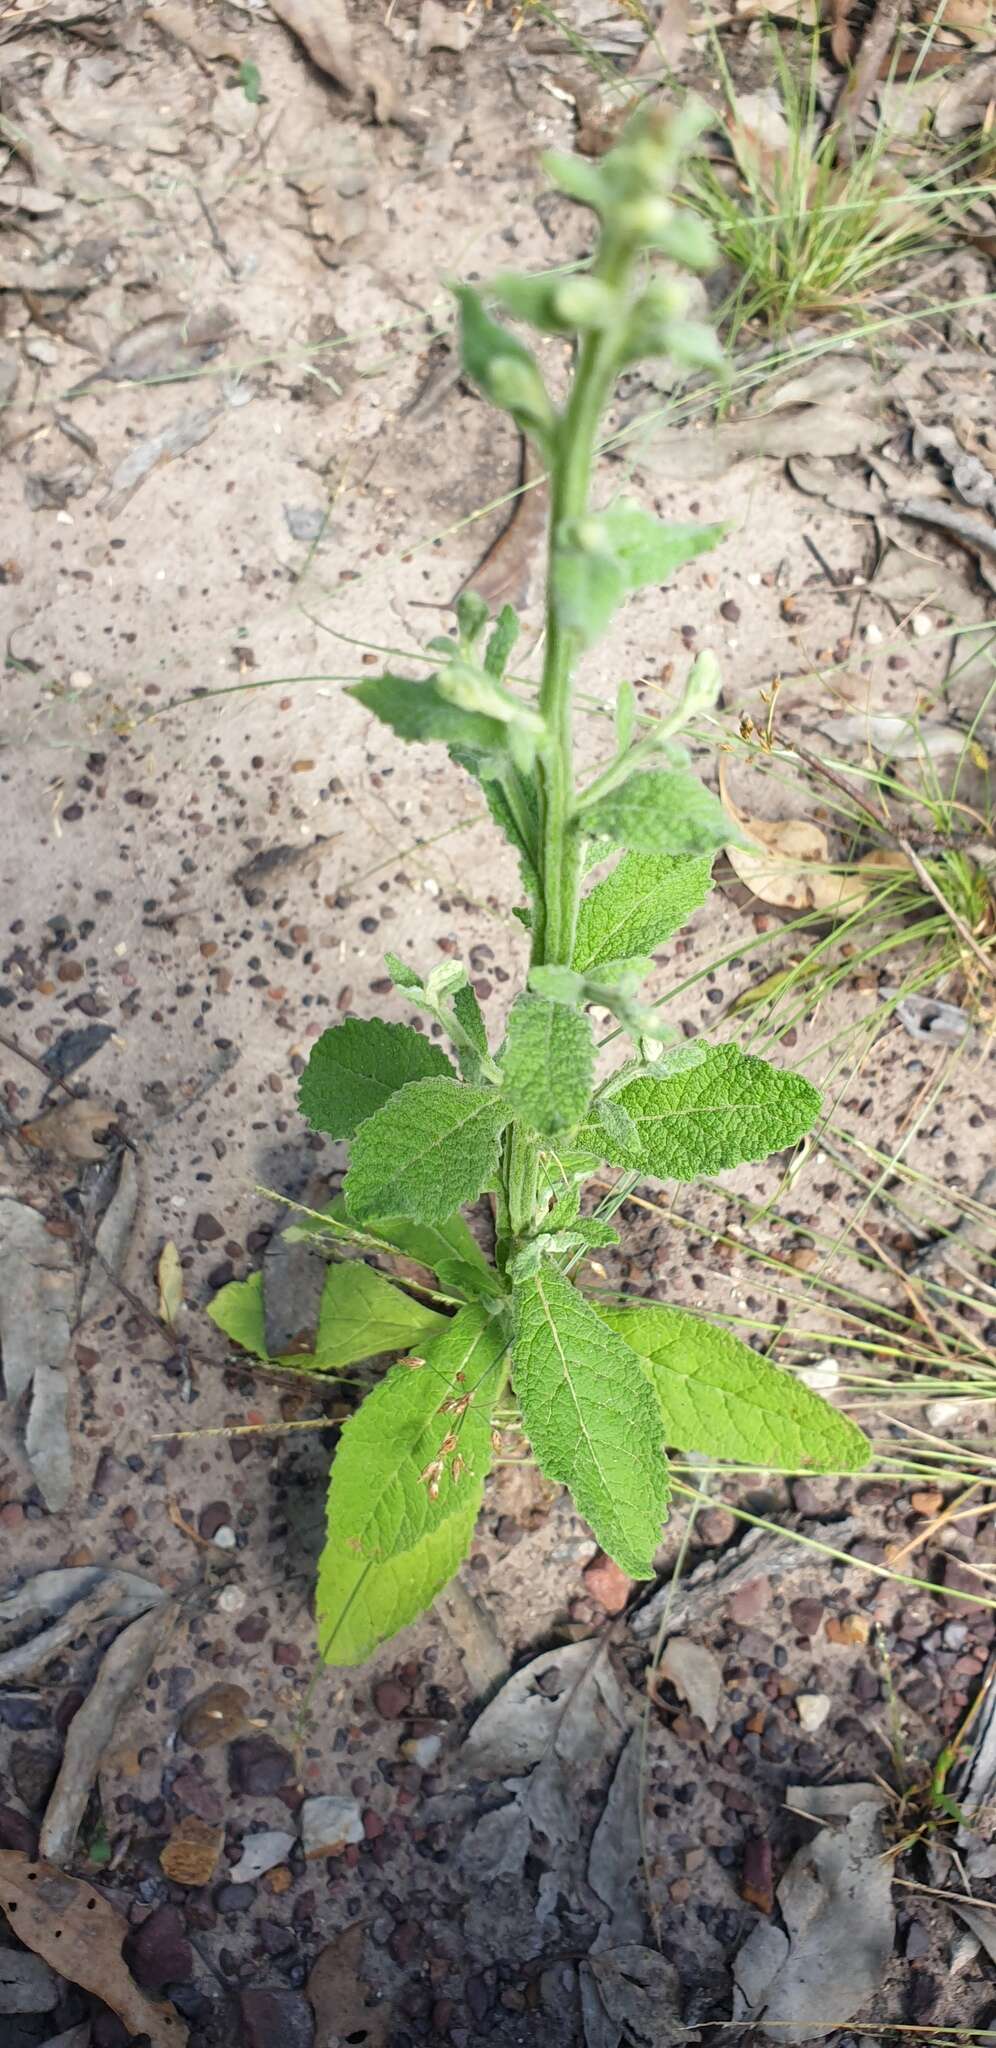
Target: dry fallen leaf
<point>791,865</point>
<point>503,577</point>
<point>169,1274</point>
<point>191,1855</point>
<point>841,32</point>
<point>340,1997</point>
<point>72,1130</point>
<point>324,29</point>
<point>36,1302</point>
<point>124,1668</point>
<point>80,1934</point>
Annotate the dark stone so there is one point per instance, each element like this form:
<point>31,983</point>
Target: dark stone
<point>158,1952</point>
<point>234,1898</point>
<point>17,1831</point>
<point>22,1711</point>
<point>270,2015</point>
<point>72,1049</point>
<point>275,1937</point>
<point>806,1616</point>
<point>258,1767</point>
<point>213,1517</point>
<point>392,1699</point>
<point>33,1773</point>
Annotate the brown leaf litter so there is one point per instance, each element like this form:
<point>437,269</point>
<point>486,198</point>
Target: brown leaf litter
<point>80,1935</point>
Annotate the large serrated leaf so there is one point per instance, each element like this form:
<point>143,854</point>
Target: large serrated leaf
<point>662,810</point>
<point>729,1108</point>
<point>361,1316</point>
<point>719,1398</point>
<point>419,711</point>
<point>646,898</point>
<point>360,1603</point>
<point>406,1487</point>
<point>355,1067</point>
<point>591,1416</point>
<point>433,1146</point>
<point>548,1064</point>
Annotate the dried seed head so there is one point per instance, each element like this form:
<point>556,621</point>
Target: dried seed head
<point>413,1364</point>
<point>448,1444</point>
<point>458,1406</point>
<point>457,1470</point>
<point>430,1476</point>
<point>496,1439</point>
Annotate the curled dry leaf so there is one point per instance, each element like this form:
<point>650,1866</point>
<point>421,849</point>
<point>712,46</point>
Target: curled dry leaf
<point>695,1673</point>
<point>504,575</point>
<point>106,1264</point>
<point>169,1274</point>
<point>80,1934</point>
<point>36,1304</point>
<point>790,868</point>
<point>123,1669</point>
<point>75,1130</point>
<point>341,1999</point>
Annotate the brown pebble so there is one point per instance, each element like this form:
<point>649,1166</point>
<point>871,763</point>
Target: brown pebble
<point>607,1583</point>
<point>729,609</point>
<point>927,1504</point>
<point>392,1699</point>
<point>848,1629</point>
<point>757,1884</point>
<point>806,1616</point>
<point>69,970</point>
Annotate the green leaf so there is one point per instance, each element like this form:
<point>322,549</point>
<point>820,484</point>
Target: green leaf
<point>252,85</point>
<point>467,1011</point>
<point>362,1315</point>
<point>360,1604</point>
<point>663,811</point>
<point>625,716</point>
<point>431,1148</point>
<point>394,1486</point>
<point>556,304</point>
<point>728,1108</point>
<point>719,1398</point>
<point>591,1416</point>
<point>238,1311</point>
<point>519,824</point>
<point>357,1066</point>
<point>402,975</point>
<point>587,580</point>
<point>475,689</point>
<point>646,898</point>
<point>427,1242</point>
<point>474,1281</point>
<point>548,1064</point>
<point>472,617</point>
<point>649,549</point>
<point>618,1126</point>
<point>499,648</point>
<point>504,369</point>
<point>420,711</point>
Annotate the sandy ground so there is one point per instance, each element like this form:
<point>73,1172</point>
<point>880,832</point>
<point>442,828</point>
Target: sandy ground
<point>207,847</point>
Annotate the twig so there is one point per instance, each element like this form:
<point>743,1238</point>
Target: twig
<point>926,880</point>
<point>976,533</point>
<point>876,43</point>
<point>51,1080</point>
<point>217,238</point>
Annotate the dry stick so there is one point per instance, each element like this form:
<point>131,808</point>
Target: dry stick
<point>860,82</point>
<point>976,533</point>
<point>51,1080</point>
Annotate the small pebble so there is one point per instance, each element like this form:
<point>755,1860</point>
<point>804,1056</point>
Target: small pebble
<point>812,1709</point>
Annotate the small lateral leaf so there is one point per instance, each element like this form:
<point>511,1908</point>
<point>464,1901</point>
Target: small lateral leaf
<point>420,711</point>
<point>662,811</point>
<point>361,1316</point>
<point>428,1243</point>
<point>717,1397</point>
<point>548,1064</point>
<point>503,638</point>
<point>503,368</point>
<point>727,1108</point>
<point>592,1419</point>
<point>646,898</point>
<point>649,549</point>
<point>357,1066</point>
<point>432,1147</point>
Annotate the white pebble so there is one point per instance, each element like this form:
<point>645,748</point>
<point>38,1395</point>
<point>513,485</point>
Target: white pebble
<point>922,625</point>
<point>231,1600</point>
<point>224,1538</point>
<point>823,1375</point>
<point>812,1709</point>
<point>873,635</point>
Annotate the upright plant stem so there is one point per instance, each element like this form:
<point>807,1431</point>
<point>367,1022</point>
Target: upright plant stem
<point>559,865</point>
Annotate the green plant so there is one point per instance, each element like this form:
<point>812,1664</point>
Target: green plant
<point>597,1394</point>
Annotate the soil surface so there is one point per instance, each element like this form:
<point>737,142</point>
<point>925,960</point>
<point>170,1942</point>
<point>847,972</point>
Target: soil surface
<point>241,470</point>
